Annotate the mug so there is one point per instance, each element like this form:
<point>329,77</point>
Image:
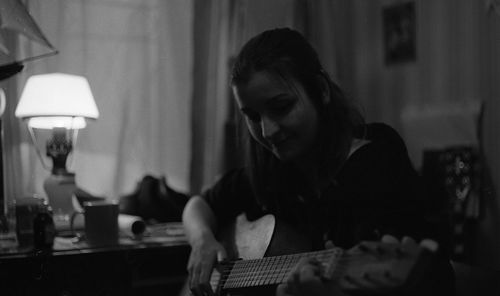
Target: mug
<point>100,222</point>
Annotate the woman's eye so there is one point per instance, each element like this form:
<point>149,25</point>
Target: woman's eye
<point>281,108</point>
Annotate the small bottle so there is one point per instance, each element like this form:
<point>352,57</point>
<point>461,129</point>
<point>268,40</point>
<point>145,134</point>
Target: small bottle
<point>44,230</point>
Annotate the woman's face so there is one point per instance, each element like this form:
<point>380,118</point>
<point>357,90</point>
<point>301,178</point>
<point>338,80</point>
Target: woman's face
<point>281,119</point>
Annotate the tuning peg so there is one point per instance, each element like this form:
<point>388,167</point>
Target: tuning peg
<point>429,245</point>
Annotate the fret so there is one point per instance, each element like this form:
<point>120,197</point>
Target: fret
<point>231,278</point>
<point>248,275</point>
<point>241,274</point>
<point>277,269</point>
<point>262,275</point>
<point>269,270</point>
<point>243,279</point>
<point>253,274</point>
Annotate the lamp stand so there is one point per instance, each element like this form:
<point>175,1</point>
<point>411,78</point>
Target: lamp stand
<point>59,189</point>
<point>60,185</point>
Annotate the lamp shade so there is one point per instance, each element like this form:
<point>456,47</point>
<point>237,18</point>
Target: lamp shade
<point>15,18</point>
<point>57,100</point>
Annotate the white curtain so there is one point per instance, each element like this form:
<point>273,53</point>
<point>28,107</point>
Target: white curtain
<point>211,29</point>
<point>137,56</point>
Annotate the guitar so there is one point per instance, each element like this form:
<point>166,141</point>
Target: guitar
<point>369,266</point>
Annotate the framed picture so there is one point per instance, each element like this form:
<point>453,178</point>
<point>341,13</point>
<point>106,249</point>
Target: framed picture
<point>399,32</point>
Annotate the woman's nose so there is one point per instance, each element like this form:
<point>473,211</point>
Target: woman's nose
<point>269,128</point>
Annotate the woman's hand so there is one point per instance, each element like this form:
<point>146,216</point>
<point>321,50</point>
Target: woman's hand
<point>306,277</point>
<point>202,259</point>
<point>305,280</point>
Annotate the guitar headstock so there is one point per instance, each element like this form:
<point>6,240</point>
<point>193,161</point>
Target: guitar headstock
<point>382,267</point>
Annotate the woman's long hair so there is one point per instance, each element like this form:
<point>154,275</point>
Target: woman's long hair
<point>287,55</point>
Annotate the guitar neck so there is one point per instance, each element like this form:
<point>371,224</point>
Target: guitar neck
<point>272,270</point>
<point>393,266</point>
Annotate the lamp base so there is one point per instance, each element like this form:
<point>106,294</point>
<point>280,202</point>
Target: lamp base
<point>60,189</point>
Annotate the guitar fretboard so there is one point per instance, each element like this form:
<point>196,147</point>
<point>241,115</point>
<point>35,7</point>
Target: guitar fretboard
<point>272,270</point>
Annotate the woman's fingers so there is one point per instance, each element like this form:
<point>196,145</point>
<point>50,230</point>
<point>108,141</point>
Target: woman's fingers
<point>204,280</point>
<point>199,279</point>
<point>200,266</point>
<point>204,276</point>
<point>329,244</point>
<point>389,239</point>
<point>309,279</point>
<point>281,290</point>
<point>193,281</point>
<point>304,279</point>
<point>221,255</point>
<point>206,289</point>
<point>200,283</point>
<point>408,241</point>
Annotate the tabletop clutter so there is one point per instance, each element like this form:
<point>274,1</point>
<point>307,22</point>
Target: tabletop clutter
<point>152,210</point>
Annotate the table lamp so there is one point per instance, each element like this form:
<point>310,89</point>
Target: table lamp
<point>57,105</point>
<point>18,30</point>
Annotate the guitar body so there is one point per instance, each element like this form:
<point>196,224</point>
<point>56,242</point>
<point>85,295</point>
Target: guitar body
<point>264,237</point>
<point>256,239</point>
<point>260,238</point>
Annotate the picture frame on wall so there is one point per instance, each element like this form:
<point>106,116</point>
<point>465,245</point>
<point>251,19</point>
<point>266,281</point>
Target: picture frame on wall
<point>399,32</point>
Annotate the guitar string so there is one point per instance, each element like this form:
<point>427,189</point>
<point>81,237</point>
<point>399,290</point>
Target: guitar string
<point>241,277</point>
<point>266,267</point>
<point>239,265</point>
<point>266,273</point>
<point>324,253</point>
<point>274,269</point>
<point>264,278</point>
<point>269,271</point>
<point>242,280</point>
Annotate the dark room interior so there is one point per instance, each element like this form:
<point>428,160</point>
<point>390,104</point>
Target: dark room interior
<point>156,123</point>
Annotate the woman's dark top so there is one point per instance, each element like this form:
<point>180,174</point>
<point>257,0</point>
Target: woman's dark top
<point>377,191</point>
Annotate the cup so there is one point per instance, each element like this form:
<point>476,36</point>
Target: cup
<point>26,209</point>
<point>8,230</point>
<point>100,222</point>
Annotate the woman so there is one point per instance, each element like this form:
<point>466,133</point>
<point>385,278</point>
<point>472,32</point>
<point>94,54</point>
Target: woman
<point>311,162</point>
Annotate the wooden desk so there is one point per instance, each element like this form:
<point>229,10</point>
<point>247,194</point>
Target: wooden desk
<point>152,266</point>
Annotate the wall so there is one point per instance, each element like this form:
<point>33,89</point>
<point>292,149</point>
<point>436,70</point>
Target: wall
<point>456,61</point>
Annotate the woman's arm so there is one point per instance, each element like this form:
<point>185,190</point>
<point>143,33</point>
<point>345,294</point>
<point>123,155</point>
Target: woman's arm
<point>200,224</point>
<point>198,219</point>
